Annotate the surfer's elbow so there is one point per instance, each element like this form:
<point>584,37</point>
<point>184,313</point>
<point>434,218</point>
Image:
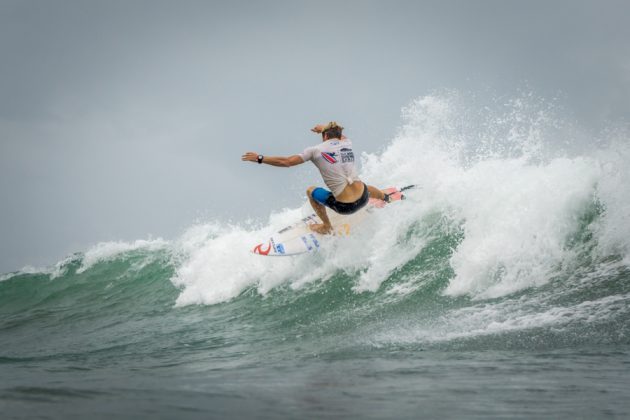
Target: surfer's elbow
<point>291,161</point>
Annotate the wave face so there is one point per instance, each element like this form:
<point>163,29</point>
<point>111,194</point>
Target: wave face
<point>517,239</point>
<point>512,230</point>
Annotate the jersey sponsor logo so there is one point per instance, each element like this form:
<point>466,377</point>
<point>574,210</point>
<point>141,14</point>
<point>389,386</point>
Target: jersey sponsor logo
<point>330,157</point>
<point>347,155</point>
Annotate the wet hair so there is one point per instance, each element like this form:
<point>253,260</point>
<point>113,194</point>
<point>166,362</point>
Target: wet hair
<point>333,133</point>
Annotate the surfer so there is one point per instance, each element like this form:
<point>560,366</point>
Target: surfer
<point>334,158</point>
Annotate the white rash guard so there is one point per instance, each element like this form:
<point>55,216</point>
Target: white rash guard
<point>335,161</point>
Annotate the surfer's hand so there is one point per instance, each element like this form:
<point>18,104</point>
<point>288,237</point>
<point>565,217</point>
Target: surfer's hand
<point>318,128</point>
<point>250,157</point>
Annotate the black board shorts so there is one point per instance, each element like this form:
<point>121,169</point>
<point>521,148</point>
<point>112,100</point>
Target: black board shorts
<point>326,198</point>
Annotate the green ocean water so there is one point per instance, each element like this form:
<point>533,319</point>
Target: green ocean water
<point>500,288</point>
<point>110,340</point>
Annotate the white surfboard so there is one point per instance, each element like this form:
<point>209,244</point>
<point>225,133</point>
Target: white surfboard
<point>298,238</point>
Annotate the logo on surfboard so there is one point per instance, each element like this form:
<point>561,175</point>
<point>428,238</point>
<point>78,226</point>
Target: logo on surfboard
<point>298,238</point>
<point>258,249</point>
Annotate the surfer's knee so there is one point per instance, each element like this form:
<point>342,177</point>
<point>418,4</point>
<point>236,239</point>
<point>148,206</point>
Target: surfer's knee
<point>309,190</point>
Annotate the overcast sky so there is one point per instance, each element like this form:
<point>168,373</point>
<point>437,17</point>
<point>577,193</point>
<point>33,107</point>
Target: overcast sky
<point>124,119</point>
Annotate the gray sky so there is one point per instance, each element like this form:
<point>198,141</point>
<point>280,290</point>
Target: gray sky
<point>123,119</point>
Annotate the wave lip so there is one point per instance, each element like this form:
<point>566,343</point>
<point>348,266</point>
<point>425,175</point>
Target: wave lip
<point>106,251</point>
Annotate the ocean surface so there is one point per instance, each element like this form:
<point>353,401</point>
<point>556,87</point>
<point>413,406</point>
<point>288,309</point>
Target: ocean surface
<point>499,289</point>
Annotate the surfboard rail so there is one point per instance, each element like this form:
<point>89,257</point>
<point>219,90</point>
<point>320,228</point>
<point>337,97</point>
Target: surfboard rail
<point>298,238</point>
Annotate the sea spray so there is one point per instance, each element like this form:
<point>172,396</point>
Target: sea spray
<point>502,229</point>
<point>502,280</point>
<point>490,171</point>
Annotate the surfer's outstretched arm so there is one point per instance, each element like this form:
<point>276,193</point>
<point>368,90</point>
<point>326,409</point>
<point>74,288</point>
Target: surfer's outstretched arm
<point>282,161</point>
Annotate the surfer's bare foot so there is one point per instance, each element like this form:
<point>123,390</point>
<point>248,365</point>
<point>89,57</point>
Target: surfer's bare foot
<point>321,228</point>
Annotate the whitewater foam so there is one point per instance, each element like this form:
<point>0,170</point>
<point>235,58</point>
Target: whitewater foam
<point>490,172</point>
<point>613,191</point>
<point>504,317</point>
<point>106,251</point>
<point>54,271</point>
<point>223,266</point>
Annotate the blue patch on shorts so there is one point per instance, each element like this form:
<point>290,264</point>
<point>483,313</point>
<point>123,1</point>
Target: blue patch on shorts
<point>320,195</point>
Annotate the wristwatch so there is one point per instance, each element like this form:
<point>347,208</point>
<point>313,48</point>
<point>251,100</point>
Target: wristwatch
<point>260,158</point>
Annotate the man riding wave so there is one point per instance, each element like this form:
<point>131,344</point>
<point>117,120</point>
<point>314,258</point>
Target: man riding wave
<point>334,158</point>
